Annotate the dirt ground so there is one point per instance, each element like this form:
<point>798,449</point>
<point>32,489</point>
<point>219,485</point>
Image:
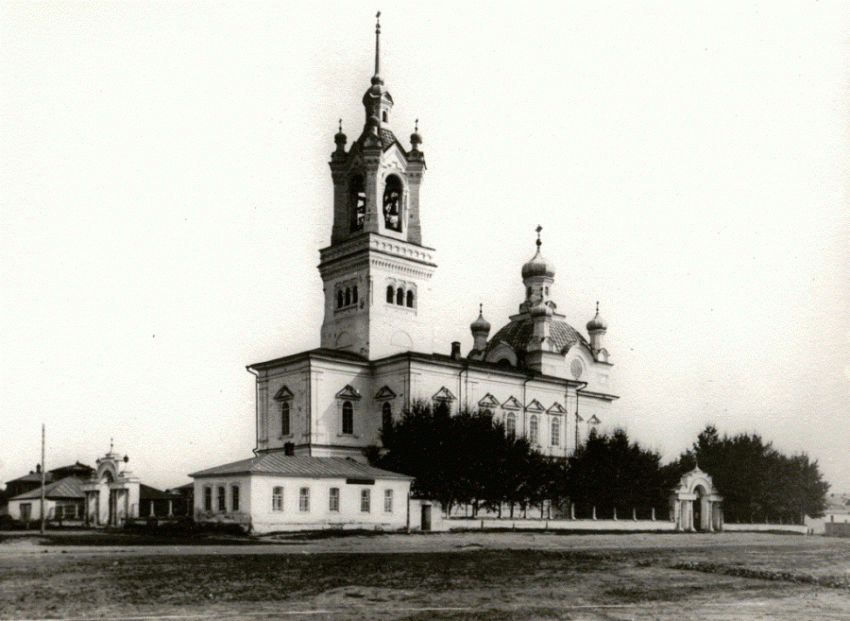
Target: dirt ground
<point>508,575</point>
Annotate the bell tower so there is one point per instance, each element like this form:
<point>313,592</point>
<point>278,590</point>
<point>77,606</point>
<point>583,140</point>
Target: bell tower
<point>376,270</point>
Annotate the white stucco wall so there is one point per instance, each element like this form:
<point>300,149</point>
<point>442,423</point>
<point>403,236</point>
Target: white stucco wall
<point>256,503</point>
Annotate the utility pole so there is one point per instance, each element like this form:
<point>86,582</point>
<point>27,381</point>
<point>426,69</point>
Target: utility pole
<point>41,512</point>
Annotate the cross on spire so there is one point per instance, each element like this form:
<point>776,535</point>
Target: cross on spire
<point>378,44</point>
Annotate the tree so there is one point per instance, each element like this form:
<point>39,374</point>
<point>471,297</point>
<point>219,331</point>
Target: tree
<point>467,458</point>
<point>610,472</point>
<point>757,482</point>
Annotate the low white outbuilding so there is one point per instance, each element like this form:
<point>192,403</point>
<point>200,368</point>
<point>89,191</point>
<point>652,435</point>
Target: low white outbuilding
<point>278,492</point>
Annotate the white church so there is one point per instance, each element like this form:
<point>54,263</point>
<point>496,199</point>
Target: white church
<point>318,410</point>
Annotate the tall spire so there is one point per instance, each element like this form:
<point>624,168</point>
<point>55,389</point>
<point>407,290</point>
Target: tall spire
<point>377,77</point>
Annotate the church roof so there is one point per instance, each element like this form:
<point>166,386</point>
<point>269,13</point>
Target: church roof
<point>386,136</point>
<point>517,335</point>
<point>68,487</point>
<point>313,467</point>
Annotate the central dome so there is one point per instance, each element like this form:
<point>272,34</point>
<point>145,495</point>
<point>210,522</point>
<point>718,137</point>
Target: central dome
<point>517,335</point>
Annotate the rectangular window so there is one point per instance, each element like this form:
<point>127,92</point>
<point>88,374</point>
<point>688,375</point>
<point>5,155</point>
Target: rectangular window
<point>388,501</point>
<point>333,500</point>
<point>304,499</point>
<point>222,499</point>
<point>277,499</point>
<point>207,498</point>
<point>365,501</point>
<point>234,498</point>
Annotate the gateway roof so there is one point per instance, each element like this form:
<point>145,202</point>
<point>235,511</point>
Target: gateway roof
<point>291,466</point>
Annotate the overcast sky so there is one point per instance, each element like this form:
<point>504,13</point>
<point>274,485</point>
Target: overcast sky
<point>165,192</point>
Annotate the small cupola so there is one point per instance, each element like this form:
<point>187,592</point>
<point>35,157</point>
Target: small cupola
<point>480,329</point>
<point>596,329</point>
<point>340,139</point>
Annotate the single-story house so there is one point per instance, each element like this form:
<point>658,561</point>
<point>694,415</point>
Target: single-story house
<point>279,492</point>
<point>64,501</point>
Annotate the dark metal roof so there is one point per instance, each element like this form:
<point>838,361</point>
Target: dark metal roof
<point>313,467</point>
<point>518,334</point>
<point>68,487</point>
<point>146,492</point>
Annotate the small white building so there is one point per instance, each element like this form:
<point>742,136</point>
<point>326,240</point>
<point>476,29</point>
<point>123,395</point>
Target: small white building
<point>278,492</point>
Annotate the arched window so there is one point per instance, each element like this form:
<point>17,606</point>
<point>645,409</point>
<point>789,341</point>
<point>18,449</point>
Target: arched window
<point>387,416</point>
<point>392,203</point>
<point>357,202</point>
<point>410,299</point>
<point>384,116</point>
<point>532,430</point>
<point>347,296</point>
<point>510,424</point>
<point>399,296</point>
<point>339,299</point>
<point>347,418</point>
<point>284,418</point>
<point>354,294</point>
<point>390,294</point>
<point>556,431</point>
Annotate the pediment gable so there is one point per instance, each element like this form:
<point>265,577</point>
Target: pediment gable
<point>556,408</point>
<point>283,394</point>
<point>348,393</point>
<point>512,404</point>
<point>444,394</point>
<point>385,393</point>
<point>489,401</point>
<point>593,420</point>
<point>535,406</point>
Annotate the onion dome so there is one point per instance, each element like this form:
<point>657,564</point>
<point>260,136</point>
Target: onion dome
<point>597,323</point>
<point>538,266</point>
<point>340,139</point>
<point>480,324</point>
<point>415,137</point>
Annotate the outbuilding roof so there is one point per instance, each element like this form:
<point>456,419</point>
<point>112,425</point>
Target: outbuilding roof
<point>291,466</point>
<point>69,487</point>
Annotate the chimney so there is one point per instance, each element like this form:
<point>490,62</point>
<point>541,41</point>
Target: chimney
<point>455,350</point>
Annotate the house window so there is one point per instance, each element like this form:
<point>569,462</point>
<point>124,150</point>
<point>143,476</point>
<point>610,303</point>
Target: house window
<point>556,432</point>
<point>284,418</point>
<point>365,501</point>
<point>388,501</point>
<point>532,430</point>
<point>387,416</point>
<point>347,296</point>
<point>399,296</point>
<point>339,299</point>
<point>234,498</point>
<point>510,424</point>
<point>390,294</point>
<point>304,500</point>
<point>347,418</point>
<point>207,498</point>
<point>277,498</point>
<point>354,294</point>
<point>333,500</point>
<point>222,498</point>
<point>410,299</point>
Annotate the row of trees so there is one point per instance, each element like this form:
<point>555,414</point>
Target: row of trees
<point>470,459</point>
<point>757,482</point>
